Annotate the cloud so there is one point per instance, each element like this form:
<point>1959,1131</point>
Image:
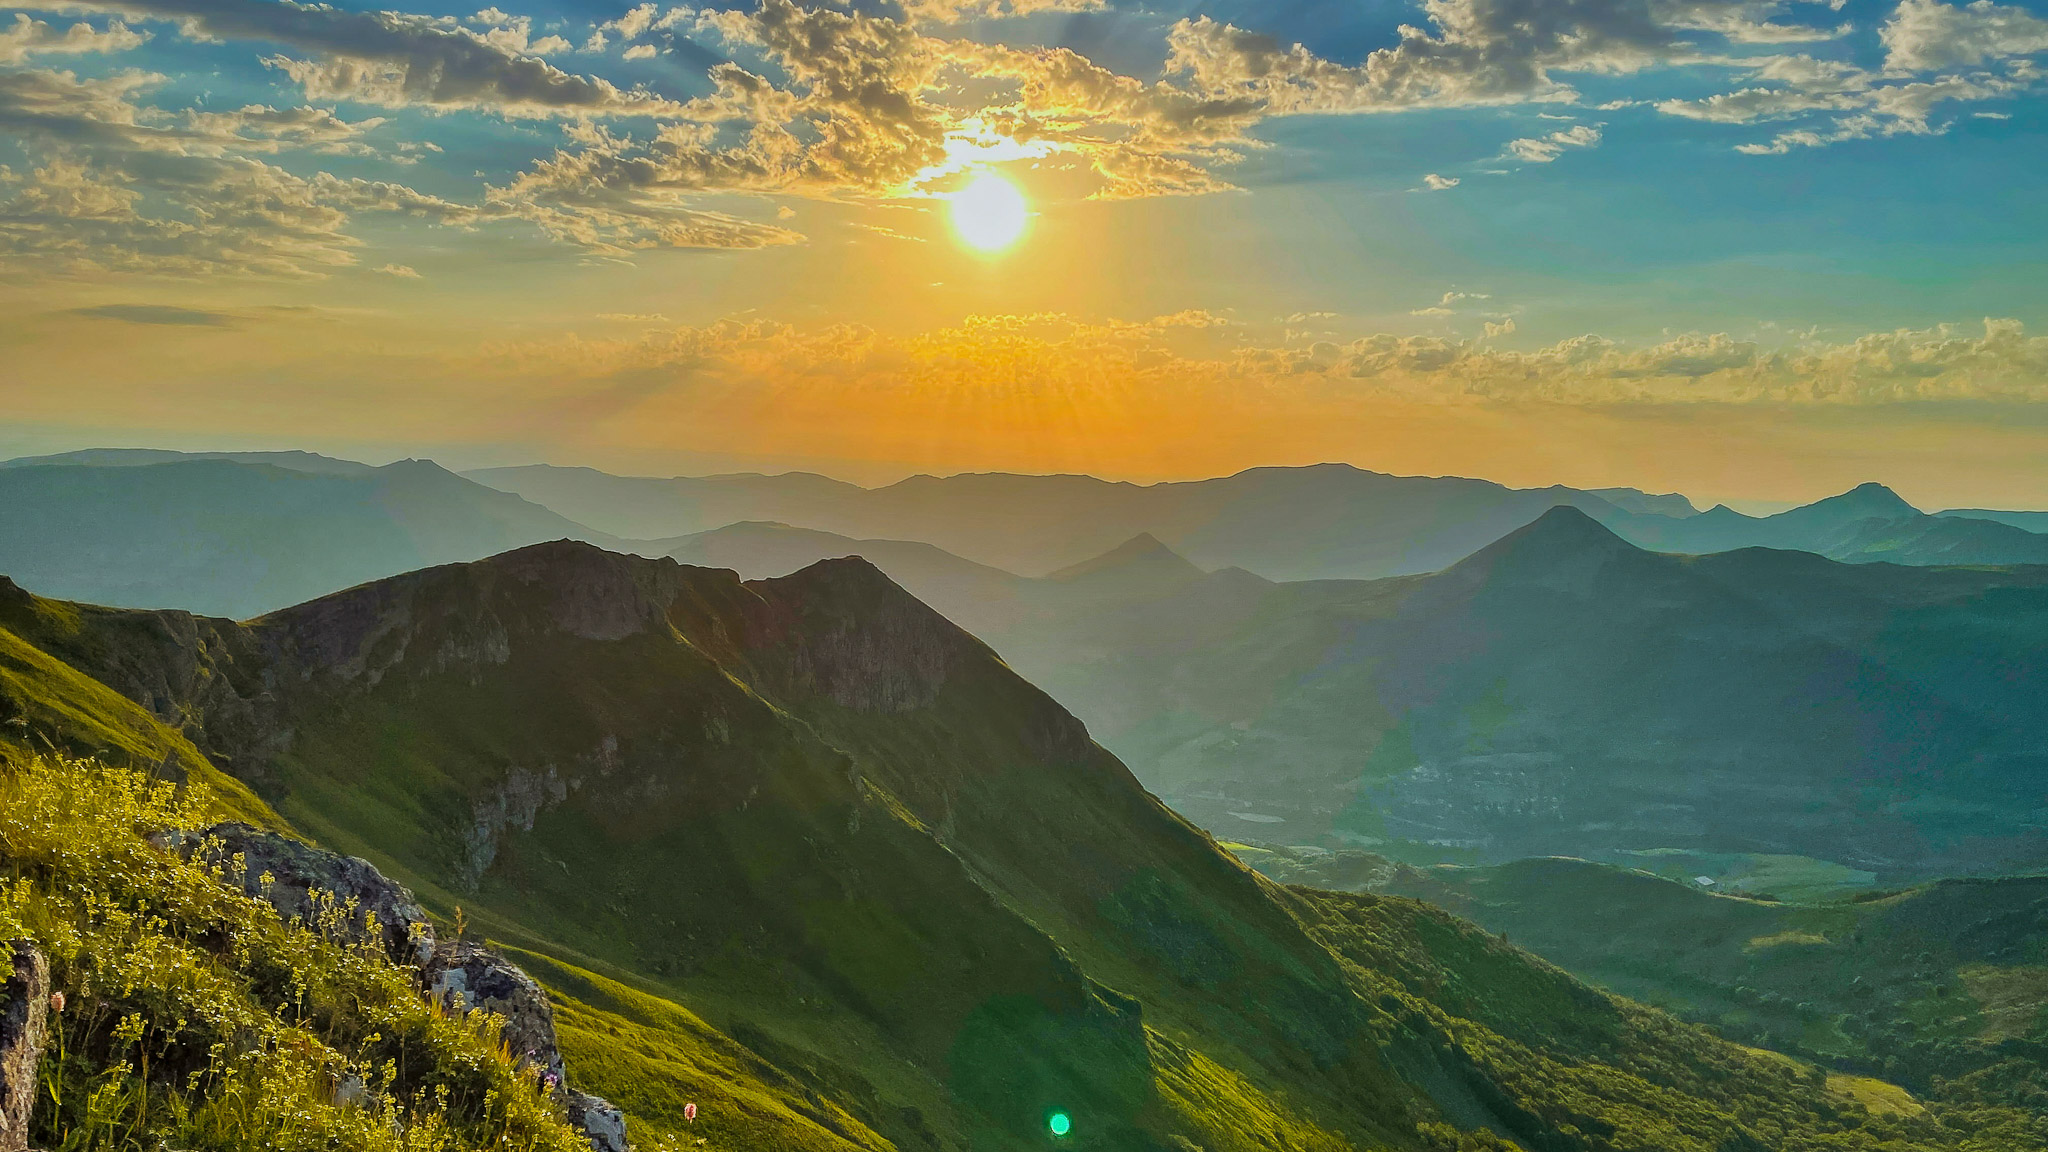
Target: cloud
<point>1925,35</point>
<point>1544,149</point>
<point>1841,101</point>
<point>27,37</point>
<point>403,272</point>
<point>1064,355</point>
<point>164,314</point>
<point>121,187</point>
<point>1436,183</point>
<point>395,59</point>
<point>949,11</point>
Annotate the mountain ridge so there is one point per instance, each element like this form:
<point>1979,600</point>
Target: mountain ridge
<point>821,815</point>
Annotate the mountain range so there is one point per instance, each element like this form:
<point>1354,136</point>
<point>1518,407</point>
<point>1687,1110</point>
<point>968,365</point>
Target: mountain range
<point>1559,691</point>
<point>242,536</point>
<point>1933,986</point>
<point>242,533</point>
<point>806,855</point>
<point>1329,521</point>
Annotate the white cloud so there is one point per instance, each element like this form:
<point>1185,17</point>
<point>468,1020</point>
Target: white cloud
<point>1436,183</point>
<point>27,37</point>
<point>1925,35</point>
<point>395,59</point>
<point>1544,149</point>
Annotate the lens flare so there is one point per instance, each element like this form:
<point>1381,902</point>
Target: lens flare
<point>1059,1123</point>
<point>990,213</point>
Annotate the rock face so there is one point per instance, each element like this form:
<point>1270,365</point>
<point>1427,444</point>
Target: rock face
<point>599,1120</point>
<point>465,978</point>
<point>338,896</point>
<point>24,1008</point>
<point>332,894</point>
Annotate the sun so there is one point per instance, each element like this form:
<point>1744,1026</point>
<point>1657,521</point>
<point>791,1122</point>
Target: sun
<point>989,214</point>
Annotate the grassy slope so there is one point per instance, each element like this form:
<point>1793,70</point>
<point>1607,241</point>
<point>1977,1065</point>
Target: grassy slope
<point>802,843</point>
<point>46,705</point>
<point>1940,987</point>
<point>195,1018</point>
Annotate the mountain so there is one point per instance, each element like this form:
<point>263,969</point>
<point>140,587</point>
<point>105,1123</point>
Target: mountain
<point>1868,523</point>
<point>295,461</point>
<point>2031,521</point>
<point>1562,691</point>
<point>238,539</point>
<point>649,508</point>
<point>980,598</point>
<point>802,853</point>
<point>1330,520</point>
<point>1932,986</point>
<point>1141,560</point>
<point>1942,540</point>
<point>1670,504</point>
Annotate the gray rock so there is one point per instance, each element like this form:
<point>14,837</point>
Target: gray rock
<point>306,884</point>
<point>24,1020</point>
<point>465,978</point>
<point>314,887</point>
<point>599,1120</point>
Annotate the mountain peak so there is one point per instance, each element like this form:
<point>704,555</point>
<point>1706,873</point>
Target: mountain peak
<point>1869,500</point>
<point>1564,542</point>
<point>1142,554</point>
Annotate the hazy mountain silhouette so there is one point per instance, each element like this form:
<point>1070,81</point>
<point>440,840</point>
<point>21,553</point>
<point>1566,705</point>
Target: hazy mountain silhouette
<point>2031,521</point>
<point>1330,520</point>
<point>1867,523</point>
<point>135,457</point>
<point>1322,522</point>
<point>1562,691</point>
<point>237,539</point>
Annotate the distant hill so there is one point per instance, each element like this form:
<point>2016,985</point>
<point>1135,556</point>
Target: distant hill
<point>237,539</point>
<point>804,854</point>
<point>1935,986</point>
<point>1330,520</point>
<point>1559,691</point>
<point>1868,523</point>
<point>1563,692</point>
<point>2031,521</point>
<point>136,457</point>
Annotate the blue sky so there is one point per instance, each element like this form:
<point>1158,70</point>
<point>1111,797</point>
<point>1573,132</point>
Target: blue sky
<point>1506,237</point>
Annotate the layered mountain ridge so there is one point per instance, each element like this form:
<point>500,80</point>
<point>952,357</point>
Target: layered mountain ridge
<point>859,886</point>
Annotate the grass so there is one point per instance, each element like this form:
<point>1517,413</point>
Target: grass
<point>196,1018</point>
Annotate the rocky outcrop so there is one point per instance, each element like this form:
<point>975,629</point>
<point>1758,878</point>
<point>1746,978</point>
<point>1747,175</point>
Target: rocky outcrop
<point>599,1120</point>
<point>513,804</point>
<point>464,977</point>
<point>24,1017</point>
<point>349,899</point>
<point>339,896</point>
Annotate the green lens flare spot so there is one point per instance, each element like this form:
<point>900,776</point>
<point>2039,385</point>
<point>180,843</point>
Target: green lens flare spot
<point>1059,1123</point>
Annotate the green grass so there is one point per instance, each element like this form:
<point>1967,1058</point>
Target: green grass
<point>195,1018</point>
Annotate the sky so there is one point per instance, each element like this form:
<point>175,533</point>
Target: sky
<point>1748,250</point>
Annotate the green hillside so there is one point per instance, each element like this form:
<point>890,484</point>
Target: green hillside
<point>805,854</point>
<point>1937,987</point>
